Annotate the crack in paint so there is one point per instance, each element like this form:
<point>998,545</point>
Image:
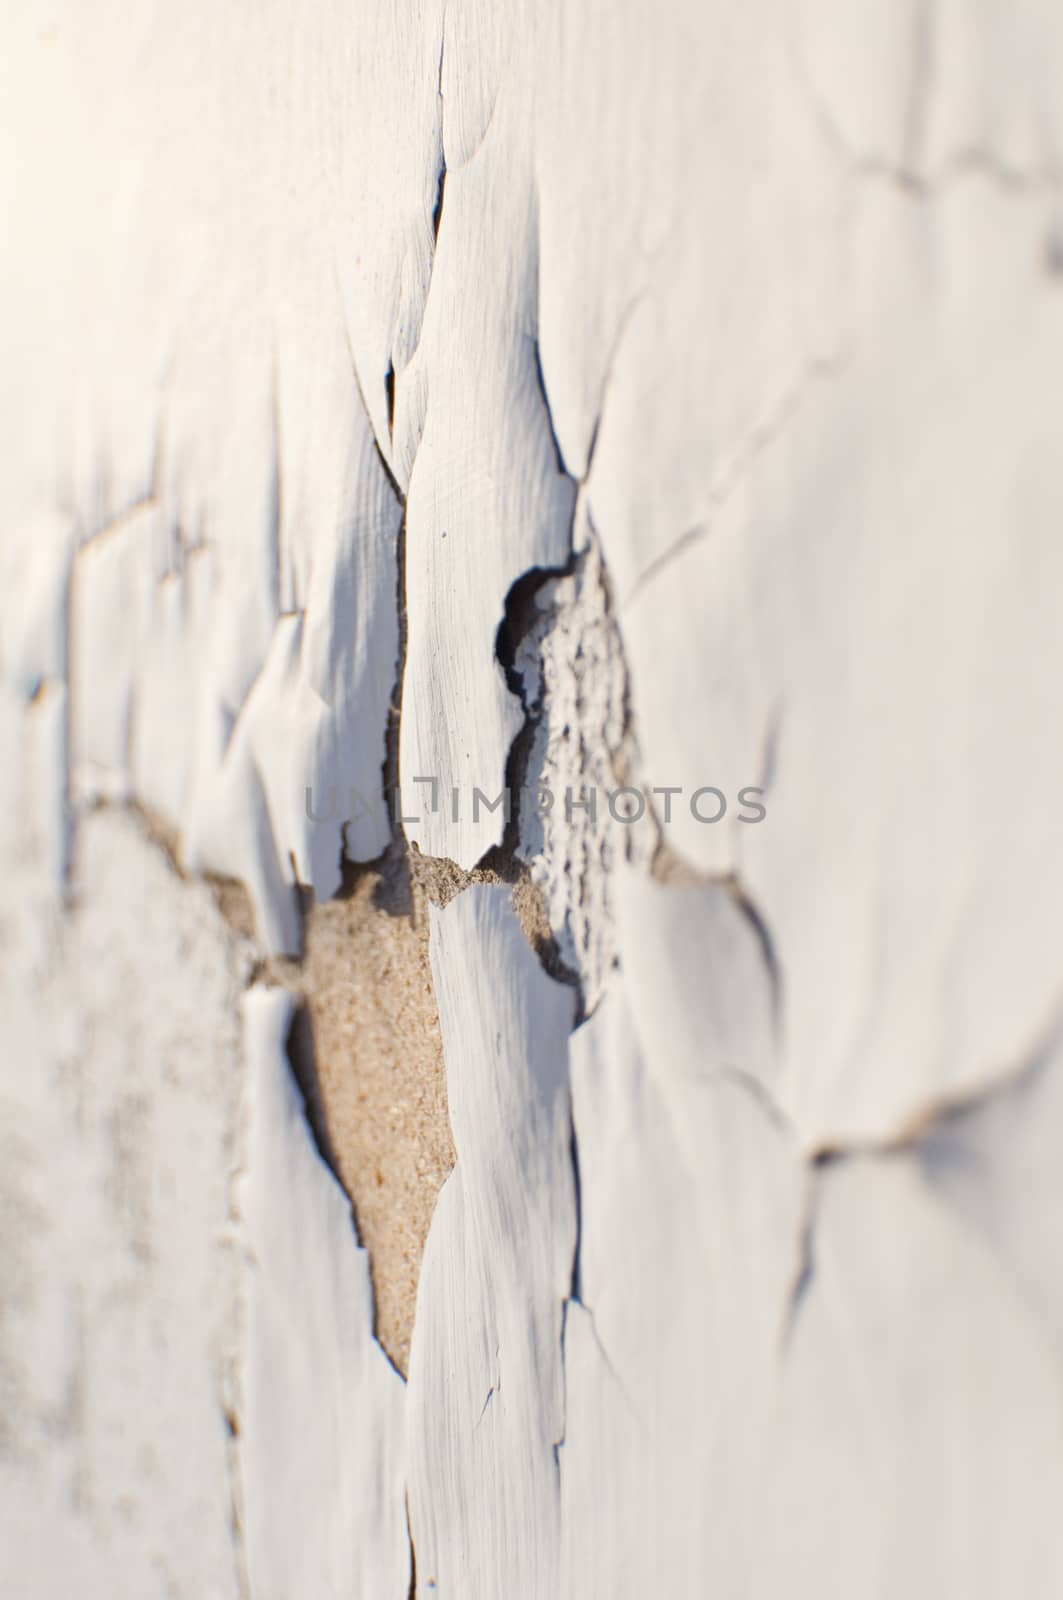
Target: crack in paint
<point>742,457</point>
<point>801,1282</point>
<point>412,1592</point>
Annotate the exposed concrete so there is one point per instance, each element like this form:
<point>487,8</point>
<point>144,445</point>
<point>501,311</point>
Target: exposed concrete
<point>367,1050</point>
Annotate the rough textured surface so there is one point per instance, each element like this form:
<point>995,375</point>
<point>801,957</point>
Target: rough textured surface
<point>571,673</point>
<point>369,1053</point>
<point>120,1082</point>
<point>456,396</point>
<point>174,1347</point>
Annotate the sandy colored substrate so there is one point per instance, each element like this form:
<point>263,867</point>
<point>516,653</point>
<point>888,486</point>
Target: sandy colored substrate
<point>366,1048</point>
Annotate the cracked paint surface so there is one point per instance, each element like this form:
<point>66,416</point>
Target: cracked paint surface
<point>591,396</point>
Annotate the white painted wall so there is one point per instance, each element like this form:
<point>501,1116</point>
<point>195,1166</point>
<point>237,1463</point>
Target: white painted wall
<point>324,326</point>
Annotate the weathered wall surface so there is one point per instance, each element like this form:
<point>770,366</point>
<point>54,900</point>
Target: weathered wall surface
<point>400,402</point>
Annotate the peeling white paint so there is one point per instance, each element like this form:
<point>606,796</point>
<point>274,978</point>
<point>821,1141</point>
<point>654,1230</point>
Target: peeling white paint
<point>691,1205</point>
<point>485,1405</point>
<point>917,1435</point>
<point>319,1409</point>
<point>596,395</point>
